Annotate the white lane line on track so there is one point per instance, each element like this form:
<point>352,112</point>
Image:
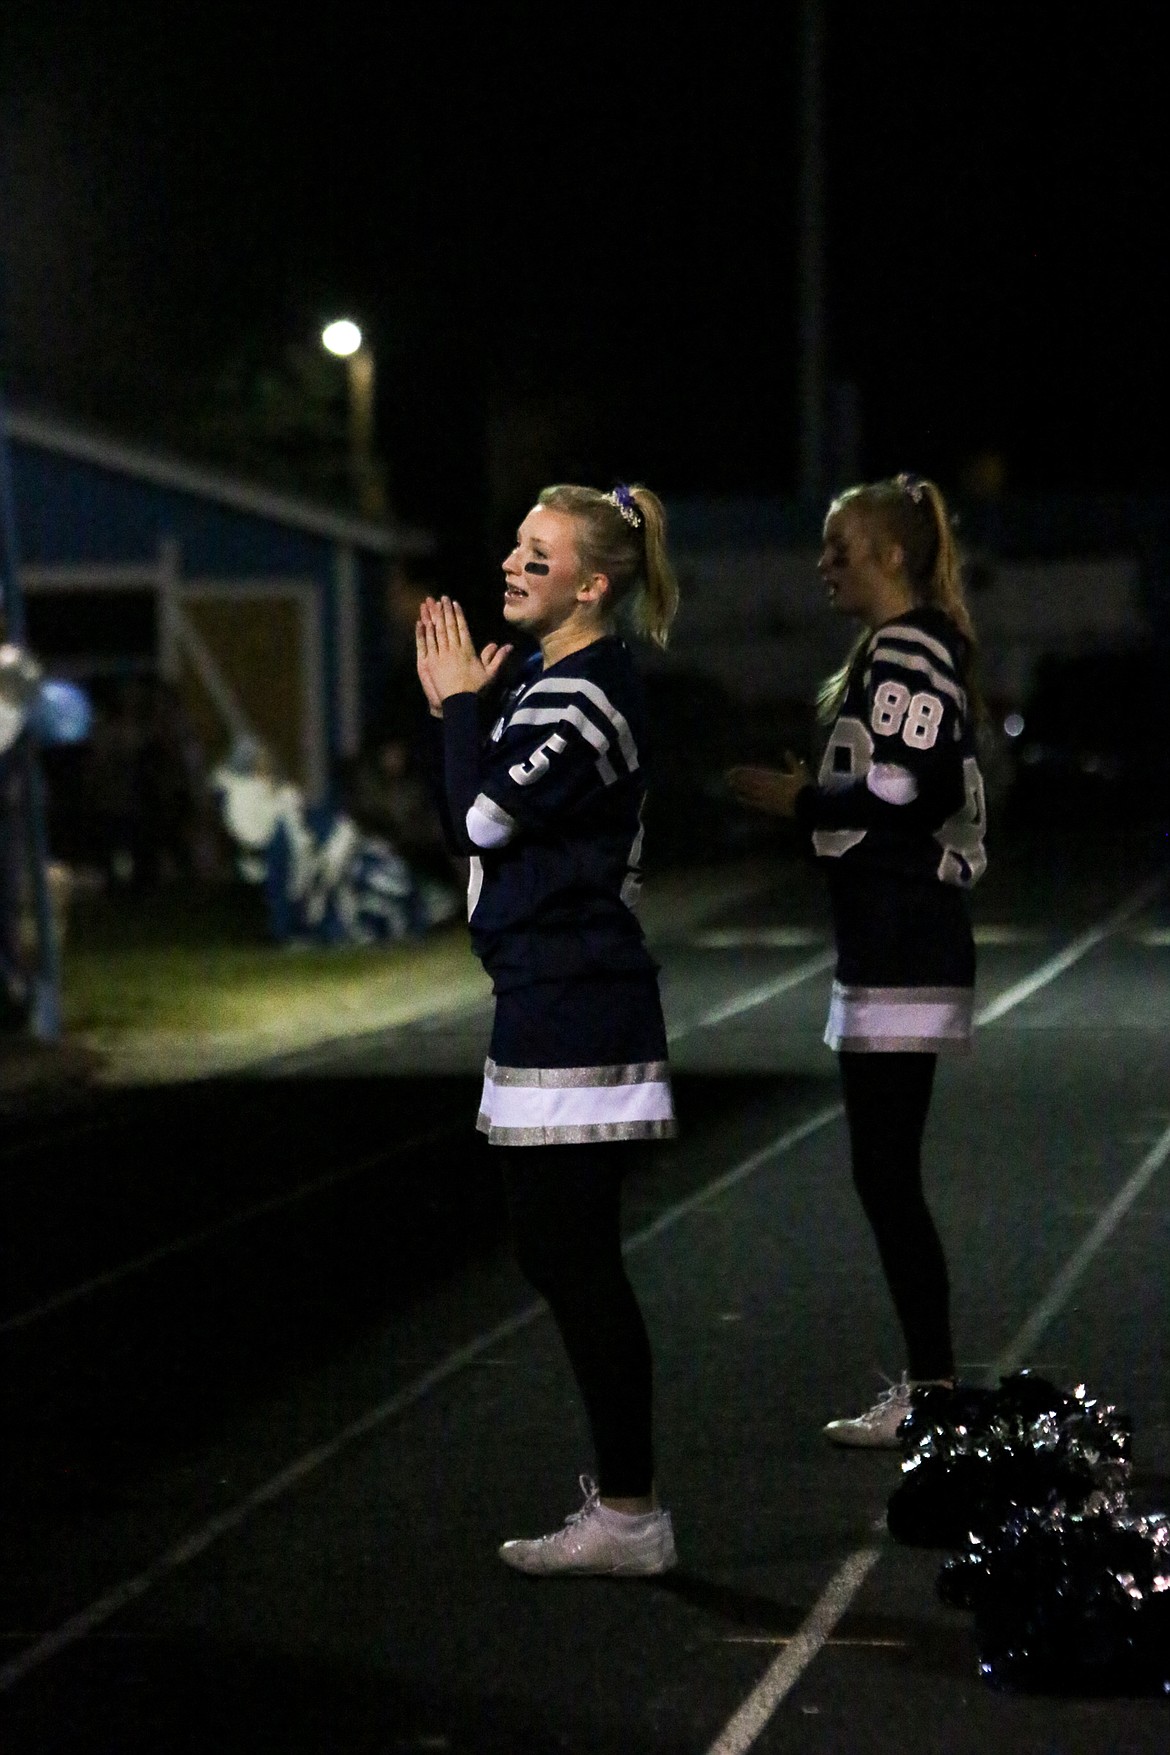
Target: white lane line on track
<point>90,1619</point>
<point>832,1604</point>
<point>295,1060</point>
<point>986,932</point>
<point>1072,953</point>
<point>749,1719</point>
<point>1057,1295</point>
<point>194,1239</point>
<point>781,1676</point>
<point>720,1014</point>
<point>762,938</point>
<point>755,996</point>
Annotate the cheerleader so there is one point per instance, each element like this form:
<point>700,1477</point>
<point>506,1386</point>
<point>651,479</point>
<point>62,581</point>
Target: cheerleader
<point>548,809</point>
<point>896,819</point>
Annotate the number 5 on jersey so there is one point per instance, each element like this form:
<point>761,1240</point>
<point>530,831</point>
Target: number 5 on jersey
<point>918,717</point>
<point>524,773</point>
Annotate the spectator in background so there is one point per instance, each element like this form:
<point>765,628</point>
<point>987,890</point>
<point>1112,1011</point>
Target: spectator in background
<point>13,984</point>
<point>35,712</point>
<point>387,796</point>
<point>13,976</point>
<point>145,788</point>
<point>325,879</point>
<point>172,789</point>
<point>111,785</point>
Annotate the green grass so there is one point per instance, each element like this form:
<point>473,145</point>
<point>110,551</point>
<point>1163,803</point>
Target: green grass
<point>199,961</point>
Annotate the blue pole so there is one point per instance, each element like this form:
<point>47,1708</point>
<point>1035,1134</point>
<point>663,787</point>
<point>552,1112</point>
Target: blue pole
<point>45,1008</point>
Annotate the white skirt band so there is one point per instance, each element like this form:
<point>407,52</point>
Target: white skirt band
<point>893,1020</point>
<point>575,1105</point>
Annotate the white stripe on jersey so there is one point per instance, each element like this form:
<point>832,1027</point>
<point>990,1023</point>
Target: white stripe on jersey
<point>632,882</point>
<point>579,685</point>
<point>915,661</point>
<point>915,637</point>
<point>832,843</point>
<point>474,884</point>
<point>573,716</point>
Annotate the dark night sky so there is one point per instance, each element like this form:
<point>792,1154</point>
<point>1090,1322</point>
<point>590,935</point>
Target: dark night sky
<point>586,219</point>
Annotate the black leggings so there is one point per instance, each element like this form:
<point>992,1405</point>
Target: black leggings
<point>565,1203</point>
<point>886,1100</point>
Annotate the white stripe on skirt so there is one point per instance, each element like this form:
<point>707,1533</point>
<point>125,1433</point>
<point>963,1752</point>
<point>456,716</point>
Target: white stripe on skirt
<point>913,1020</point>
<point>575,1105</point>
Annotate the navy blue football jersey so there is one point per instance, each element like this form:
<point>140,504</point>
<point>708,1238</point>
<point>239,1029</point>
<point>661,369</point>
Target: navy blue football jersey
<point>899,787</point>
<point>549,808</point>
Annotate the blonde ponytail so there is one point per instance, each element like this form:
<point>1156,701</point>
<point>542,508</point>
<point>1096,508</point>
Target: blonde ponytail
<point>946,575</point>
<point>654,603</point>
<point>623,535</point>
<point>911,511</point>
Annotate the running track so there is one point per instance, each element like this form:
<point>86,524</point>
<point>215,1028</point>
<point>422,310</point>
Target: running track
<point>274,1392</point>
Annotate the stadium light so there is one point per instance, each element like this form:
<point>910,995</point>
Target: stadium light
<point>342,337</point>
<point>344,340</point>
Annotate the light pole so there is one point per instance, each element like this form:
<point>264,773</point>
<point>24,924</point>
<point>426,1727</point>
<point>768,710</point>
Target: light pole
<point>811,254</point>
<point>343,338</point>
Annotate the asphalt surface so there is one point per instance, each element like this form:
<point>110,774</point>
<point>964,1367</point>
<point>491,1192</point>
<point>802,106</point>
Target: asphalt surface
<point>273,1391</point>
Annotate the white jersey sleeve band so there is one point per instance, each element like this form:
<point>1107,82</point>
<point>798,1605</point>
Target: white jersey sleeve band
<point>487,825</point>
<point>895,785</point>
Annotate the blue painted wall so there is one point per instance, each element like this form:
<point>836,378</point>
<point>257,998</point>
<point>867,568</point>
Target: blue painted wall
<point>73,512</point>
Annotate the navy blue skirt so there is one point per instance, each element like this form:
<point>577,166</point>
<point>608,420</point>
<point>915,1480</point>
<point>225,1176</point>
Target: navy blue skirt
<point>905,977</point>
<point>577,1061</point>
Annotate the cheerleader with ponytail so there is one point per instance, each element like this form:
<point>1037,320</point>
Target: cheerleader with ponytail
<point>896,819</point>
<point>548,809</point>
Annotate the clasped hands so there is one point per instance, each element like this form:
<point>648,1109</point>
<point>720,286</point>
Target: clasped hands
<point>771,790</point>
<point>448,663</point>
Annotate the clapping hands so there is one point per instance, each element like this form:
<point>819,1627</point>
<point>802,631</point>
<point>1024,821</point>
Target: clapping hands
<point>448,663</point>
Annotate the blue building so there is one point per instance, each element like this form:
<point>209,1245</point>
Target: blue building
<point>266,612</point>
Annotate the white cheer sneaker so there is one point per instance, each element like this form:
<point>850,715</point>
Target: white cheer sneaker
<point>596,1542</point>
<point>877,1428</point>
